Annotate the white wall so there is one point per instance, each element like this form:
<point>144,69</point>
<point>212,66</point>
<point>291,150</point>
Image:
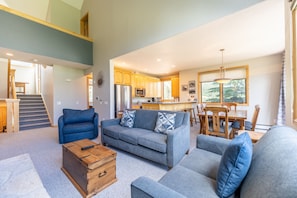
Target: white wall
<point>25,74</point>
<point>70,90</point>
<point>264,85</point>
<point>47,89</point>
<point>3,79</point>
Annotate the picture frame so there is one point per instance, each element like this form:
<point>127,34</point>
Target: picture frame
<point>184,87</point>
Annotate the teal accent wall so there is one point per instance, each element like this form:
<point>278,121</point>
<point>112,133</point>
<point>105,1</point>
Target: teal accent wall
<point>27,36</point>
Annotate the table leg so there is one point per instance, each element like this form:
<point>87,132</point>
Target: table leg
<point>241,124</point>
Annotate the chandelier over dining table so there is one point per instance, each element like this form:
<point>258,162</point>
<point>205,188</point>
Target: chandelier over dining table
<point>222,79</point>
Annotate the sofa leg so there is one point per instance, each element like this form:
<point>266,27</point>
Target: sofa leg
<point>188,151</point>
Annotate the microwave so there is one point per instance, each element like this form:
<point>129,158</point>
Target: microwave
<point>139,92</point>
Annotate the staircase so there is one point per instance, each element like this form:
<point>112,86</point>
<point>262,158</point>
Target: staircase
<point>32,112</point>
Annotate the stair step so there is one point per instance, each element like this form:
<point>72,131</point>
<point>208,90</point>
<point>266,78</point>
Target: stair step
<point>26,109</point>
<point>30,117</point>
<point>34,121</point>
<point>36,126</point>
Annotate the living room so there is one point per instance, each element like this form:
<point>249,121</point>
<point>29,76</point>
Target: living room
<point>264,81</point>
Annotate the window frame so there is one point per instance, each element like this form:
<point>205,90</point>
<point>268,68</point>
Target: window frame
<point>294,59</point>
<point>244,67</point>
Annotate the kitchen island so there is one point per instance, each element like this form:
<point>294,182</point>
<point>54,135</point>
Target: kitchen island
<point>170,106</point>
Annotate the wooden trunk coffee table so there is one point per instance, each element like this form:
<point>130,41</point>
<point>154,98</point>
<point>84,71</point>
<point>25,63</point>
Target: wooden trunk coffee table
<point>89,169</point>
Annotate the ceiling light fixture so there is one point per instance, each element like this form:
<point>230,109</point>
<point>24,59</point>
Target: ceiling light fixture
<point>222,78</point>
<point>9,54</point>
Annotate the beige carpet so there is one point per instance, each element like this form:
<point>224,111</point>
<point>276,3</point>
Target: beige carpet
<point>18,178</point>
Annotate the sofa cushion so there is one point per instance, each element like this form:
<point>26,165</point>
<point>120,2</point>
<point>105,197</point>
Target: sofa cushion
<point>189,183</point>
<point>113,131</point>
<point>273,169</point>
<point>154,141</point>
<point>127,119</point>
<point>77,116</point>
<point>78,127</point>
<point>203,162</point>
<point>165,122</point>
<point>234,165</point>
<point>131,135</point>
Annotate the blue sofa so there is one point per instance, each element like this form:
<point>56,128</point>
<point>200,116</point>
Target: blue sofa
<point>272,171</point>
<point>141,139</point>
<point>77,124</point>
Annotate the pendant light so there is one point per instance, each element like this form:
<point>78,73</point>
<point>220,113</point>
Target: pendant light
<point>222,78</point>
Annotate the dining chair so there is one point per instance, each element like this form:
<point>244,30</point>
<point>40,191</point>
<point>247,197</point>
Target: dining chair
<point>200,110</point>
<point>215,127</point>
<point>230,105</point>
<point>248,125</point>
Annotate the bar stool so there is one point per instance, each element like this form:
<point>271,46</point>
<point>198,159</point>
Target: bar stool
<point>192,115</point>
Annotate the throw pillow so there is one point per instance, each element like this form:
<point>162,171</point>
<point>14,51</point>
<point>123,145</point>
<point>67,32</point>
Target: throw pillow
<point>234,165</point>
<point>165,122</point>
<point>127,119</point>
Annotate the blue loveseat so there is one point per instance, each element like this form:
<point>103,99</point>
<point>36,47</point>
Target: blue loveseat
<point>77,124</point>
<point>272,170</point>
<point>141,139</point>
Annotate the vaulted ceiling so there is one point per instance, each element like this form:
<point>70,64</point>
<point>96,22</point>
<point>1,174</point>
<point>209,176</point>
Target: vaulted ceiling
<point>256,31</point>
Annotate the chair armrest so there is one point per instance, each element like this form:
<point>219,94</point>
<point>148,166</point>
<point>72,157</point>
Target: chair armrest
<point>110,122</point>
<point>60,129</point>
<point>213,144</point>
<point>178,143</point>
<point>147,188</point>
<point>96,121</point>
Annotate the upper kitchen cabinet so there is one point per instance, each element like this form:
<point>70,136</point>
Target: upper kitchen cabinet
<point>122,77</point>
<point>153,87</point>
<point>175,86</point>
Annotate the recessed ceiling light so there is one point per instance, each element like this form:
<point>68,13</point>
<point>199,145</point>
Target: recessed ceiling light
<point>35,60</point>
<point>9,54</point>
<point>173,66</point>
<point>159,59</point>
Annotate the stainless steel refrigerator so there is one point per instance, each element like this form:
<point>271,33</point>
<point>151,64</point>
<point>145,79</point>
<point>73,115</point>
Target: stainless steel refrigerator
<point>123,98</point>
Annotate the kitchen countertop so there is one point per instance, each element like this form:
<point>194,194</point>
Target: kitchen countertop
<point>168,102</point>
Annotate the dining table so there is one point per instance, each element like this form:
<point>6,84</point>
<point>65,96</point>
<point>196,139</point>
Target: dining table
<point>233,115</point>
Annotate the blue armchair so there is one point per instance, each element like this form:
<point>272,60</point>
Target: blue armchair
<point>77,124</point>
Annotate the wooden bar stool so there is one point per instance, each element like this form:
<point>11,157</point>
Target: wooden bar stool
<point>192,115</point>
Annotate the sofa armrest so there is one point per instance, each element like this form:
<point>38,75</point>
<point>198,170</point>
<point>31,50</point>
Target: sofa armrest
<point>178,143</point>
<point>110,122</point>
<point>213,144</point>
<point>147,188</point>
<point>60,129</point>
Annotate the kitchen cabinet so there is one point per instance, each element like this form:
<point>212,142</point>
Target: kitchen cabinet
<point>153,87</point>
<point>151,84</point>
<point>122,77</point>
<point>175,87</point>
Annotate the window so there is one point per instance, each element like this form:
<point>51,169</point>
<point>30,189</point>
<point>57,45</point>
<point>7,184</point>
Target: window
<point>233,91</point>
